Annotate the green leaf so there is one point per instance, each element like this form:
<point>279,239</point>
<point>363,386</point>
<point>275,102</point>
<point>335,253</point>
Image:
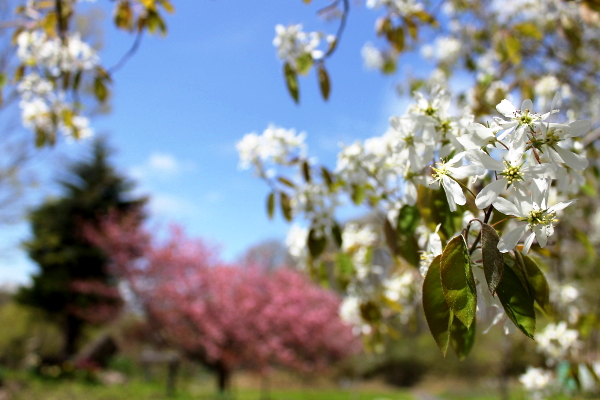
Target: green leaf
<point>286,182</point>
<point>336,232</point>
<point>493,261</point>
<point>100,89</point>
<point>517,303</point>
<point>433,208</point>
<point>389,66</point>
<point>271,205</point>
<point>538,284</point>
<point>306,171</point>
<point>406,244</point>
<point>462,338</point>
<point>291,80</point>
<point>396,38</point>
<point>286,208</point>
<point>382,26</point>
<point>316,243</point>
<point>324,82</point>
<point>528,29</point>
<point>327,177</point>
<point>391,238</point>
<point>512,46</point>
<point>408,248</point>
<point>304,63</point>
<point>413,28</point>
<point>344,270</point>
<point>77,80</point>
<point>358,194</point>
<point>19,73</point>
<point>2,79</point>
<point>408,220</point>
<point>458,281</point>
<point>437,312</point>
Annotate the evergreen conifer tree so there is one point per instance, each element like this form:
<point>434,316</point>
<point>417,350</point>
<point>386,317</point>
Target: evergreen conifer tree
<point>73,285</point>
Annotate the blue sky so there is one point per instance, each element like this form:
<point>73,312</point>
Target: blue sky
<point>183,101</point>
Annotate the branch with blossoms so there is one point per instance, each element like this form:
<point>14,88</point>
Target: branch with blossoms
<point>535,46</point>
<point>430,175</point>
<point>56,66</point>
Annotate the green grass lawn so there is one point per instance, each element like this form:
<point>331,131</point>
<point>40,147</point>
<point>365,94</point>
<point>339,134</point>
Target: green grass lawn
<point>38,389</point>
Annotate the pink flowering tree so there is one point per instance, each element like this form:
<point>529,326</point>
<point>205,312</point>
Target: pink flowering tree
<point>227,316</point>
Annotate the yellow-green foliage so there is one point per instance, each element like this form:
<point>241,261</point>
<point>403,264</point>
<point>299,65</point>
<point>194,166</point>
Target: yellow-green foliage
<point>23,330</point>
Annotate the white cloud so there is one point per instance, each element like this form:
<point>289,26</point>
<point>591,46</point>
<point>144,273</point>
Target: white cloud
<point>170,206</point>
<point>162,166</point>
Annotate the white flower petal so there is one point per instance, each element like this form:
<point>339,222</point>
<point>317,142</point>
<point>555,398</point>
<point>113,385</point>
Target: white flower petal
<point>573,160</point>
<point>528,242</point>
<point>506,207</point>
<point>580,127</point>
<point>527,105</point>
<point>454,192</point>
<point>561,206</point>
<point>466,171</point>
<point>541,235</point>
<point>556,101</point>
<point>480,158</point>
<point>490,193</point>
<point>506,108</point>
<point>510,239</point>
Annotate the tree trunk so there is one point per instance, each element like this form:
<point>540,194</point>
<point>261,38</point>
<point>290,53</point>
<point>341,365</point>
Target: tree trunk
<point>71,333</point>
<point>223,378</point>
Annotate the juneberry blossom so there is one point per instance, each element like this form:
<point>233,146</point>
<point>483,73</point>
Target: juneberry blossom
<point>511,172</point>
<point>537,216</point>
<point>447,174</point>
<point>292,43</point>
<point>537,382</point>
<point>397,7</point>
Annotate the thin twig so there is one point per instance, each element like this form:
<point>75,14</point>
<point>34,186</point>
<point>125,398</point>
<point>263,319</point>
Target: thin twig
<point>341,28</point>
<point>128,55</point>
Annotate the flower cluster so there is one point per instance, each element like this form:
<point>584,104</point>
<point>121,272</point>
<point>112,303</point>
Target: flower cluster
<point>44,103</point>
<point>294,45</point>
<point>521,165</point>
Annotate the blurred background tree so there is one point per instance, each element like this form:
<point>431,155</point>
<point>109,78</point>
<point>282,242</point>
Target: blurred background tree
<point>73,286</point>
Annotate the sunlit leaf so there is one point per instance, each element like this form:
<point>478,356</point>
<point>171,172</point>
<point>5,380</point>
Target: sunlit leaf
<point>437,312</point>
<point>528,29</point>
<point>358,194</point>
<point>344,270</point>
<point>537,282</point>
<point>168,6</point>
<point>304,63</point>
<point>513,49</point>
<point>458,281</point>
<point>493,261</point>
<point>516,301</point>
